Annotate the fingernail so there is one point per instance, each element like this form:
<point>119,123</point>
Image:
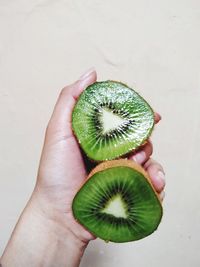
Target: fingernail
<point>140,157</point>
<point>86,74</point>
<point>161,176</point>
<point>162,195</point>
<point>158,180</point>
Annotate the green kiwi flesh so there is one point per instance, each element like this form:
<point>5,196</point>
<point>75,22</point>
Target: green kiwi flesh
<point>110,119</point>
<point>118,203</point>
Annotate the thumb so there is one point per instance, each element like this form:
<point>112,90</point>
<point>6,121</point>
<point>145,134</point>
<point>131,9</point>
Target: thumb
<point>60,121</point>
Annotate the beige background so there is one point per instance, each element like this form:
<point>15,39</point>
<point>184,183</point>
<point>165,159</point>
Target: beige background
<point>153,46</point>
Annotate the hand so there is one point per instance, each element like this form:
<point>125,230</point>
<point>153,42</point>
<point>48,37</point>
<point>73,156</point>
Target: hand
<point>62,172</point>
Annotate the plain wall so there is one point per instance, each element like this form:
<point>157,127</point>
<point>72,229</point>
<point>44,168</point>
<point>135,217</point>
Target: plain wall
<point>153,46</point>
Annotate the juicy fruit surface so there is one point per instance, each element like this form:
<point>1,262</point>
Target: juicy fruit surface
<point>110,119</point>
<point>118,204</point>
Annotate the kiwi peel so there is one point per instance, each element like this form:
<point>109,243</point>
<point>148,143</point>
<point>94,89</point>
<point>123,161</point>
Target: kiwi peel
<point>118,202</point>
<point>110,119</point>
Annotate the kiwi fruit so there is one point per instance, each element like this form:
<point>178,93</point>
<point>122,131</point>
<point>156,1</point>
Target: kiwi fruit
<point>118,202</point>
<point>110,119</point>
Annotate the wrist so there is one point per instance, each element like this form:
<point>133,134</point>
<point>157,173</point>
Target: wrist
<point>41,241</point>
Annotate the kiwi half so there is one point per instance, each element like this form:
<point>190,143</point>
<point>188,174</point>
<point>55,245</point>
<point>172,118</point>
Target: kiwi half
<point>118,202</point>
<point>110,119</point>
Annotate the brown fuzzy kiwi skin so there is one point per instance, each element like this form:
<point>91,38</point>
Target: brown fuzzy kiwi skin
<point>121,163</point>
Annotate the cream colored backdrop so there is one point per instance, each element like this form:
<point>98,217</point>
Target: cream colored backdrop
<point>153,46</point>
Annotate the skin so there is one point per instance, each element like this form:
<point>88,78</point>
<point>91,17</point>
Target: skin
<point>46,233</point>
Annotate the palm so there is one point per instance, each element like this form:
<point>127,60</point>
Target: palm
<point>61,174</point>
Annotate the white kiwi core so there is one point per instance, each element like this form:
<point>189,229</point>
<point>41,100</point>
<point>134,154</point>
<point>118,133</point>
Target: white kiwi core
<point>110,120</point>
<point>116,207</point>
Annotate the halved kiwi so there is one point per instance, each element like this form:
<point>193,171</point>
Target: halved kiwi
<point>118,203</point>
<point>110,119</point>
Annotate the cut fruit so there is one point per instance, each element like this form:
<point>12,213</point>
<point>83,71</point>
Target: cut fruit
<point>111,119</point>
<point>118,202</point>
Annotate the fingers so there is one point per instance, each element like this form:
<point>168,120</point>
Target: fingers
<point>157,117</point>
<point>156,173</point>
<point>142,155</point>
<point>61,117</point>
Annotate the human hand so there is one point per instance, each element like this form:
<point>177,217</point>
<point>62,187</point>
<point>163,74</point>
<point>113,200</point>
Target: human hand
<point>62,172</point>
